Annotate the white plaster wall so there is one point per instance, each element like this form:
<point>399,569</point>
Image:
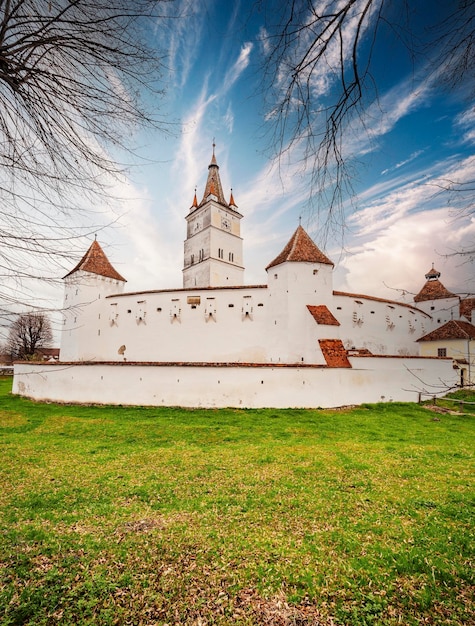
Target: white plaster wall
<point>381,327</point>
<point>84,309</point>
<point>292,332</point>
<point>209,325</point>
<point>370,380</point>
<point>441,310</point>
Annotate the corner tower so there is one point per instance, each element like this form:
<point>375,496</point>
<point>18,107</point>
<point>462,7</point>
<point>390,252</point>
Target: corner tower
<point>213,244</point>
<point>85,287</point>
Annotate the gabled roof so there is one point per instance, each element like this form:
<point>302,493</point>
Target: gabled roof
<point>322,315</point>
<point>455,329</point>
<point>96,262</point>
<point>300,248</point>
<point>433,290</point>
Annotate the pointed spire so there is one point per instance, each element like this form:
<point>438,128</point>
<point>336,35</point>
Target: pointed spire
<point>231,200</point>
<point>300,248</point>
<point>96,262</point>
<point>195,201</point>
<point>213,184</point>
<point>213,158</point>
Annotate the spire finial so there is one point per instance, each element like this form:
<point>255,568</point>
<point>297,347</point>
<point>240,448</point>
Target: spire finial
<point>300,220</point>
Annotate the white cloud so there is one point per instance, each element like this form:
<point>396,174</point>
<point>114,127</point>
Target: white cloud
<point>240,65</point>
<point>399,234</point>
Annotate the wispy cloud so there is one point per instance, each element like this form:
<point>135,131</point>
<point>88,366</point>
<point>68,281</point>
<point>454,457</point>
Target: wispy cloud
<point>235,71</point>
<point>414,221</point>
<point>466,123</point>
<point>409,159</point>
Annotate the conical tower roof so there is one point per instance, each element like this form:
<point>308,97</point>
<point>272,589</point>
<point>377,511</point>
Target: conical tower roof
<point>300,248</point>
<point>96,262</point>
<point>433,288</point>
<point>213,184</point>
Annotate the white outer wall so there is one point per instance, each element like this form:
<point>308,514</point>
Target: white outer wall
<point>164,326</point>
<point>381,327</point>
<point>371,380</point>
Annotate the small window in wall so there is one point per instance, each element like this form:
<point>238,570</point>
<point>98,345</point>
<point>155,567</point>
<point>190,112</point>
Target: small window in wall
<point>192,259</point>
<point>231,257</point>
<point>441,351</point>
<point>220,253</point>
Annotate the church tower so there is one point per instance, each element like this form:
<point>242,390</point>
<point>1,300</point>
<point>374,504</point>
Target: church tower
<point>213,244</point>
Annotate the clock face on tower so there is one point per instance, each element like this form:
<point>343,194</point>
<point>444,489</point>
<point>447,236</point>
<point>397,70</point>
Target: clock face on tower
<point>225,223</point>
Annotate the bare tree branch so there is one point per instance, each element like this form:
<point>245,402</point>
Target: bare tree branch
<point>76,80</point>
<point>319,79</point>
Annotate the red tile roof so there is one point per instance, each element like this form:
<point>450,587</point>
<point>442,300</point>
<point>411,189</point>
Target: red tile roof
<point>334,352</point>
<point>213,184</point>
<point>433,290</point>
<point>322,315</point>
<point>466,307</point>
<point>300,248</point>
<point>96,262</point>
<point>455,329</point>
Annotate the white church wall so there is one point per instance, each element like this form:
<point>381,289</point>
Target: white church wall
<point>84,310</point>
<point>208,325</point>
<point>381,327</point>
<point>442,310</point>
<point>370,380</point>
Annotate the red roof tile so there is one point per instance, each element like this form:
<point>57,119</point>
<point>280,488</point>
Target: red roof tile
<point>466,307</point>
<point>300,248</point>
<point>334,352</point>
<point>455,329</point>
<point>433,290</point>
<point>213,184</point>
<point>322,315</point>
<point>96,262</point>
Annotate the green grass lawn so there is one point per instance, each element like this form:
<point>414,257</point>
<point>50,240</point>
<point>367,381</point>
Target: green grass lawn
<point>147,516</point>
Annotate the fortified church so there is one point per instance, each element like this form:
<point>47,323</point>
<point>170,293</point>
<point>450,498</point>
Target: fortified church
<point>294,341</point>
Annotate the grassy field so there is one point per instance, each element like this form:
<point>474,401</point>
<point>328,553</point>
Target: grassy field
<point>142,516</point>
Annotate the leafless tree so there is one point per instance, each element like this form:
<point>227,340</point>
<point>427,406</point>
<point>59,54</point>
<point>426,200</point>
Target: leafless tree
<point>77,78</point>
<point>319,66</point>
<point>28,334</point>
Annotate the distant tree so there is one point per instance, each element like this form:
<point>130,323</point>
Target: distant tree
<point>28,333</point>
<point>319,73</point>
<point>75,81</point>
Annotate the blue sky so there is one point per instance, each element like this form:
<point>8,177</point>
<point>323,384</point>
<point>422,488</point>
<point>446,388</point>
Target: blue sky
<point>395,228</point>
